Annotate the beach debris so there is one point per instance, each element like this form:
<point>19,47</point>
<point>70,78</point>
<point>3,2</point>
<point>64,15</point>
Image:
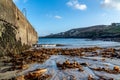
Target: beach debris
<point>70,77</point>
<point>35,74</point>
<point>20,77</point>
<point>22,61</point>
<point>40,71</point>
<point>84,64</point>
<point>90,77</point>
<point>103,59</point>
<point>116,68</point>
<point>25,66</point>
<point>35,77</point>
<point>42,54</point>
<point>67,62</point>
<point>68,65</point>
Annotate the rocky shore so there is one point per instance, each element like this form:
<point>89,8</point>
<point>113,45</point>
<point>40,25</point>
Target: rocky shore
<point>93,63</point>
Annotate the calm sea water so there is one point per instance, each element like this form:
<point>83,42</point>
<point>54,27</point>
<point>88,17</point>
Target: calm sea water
<point>71,42</point>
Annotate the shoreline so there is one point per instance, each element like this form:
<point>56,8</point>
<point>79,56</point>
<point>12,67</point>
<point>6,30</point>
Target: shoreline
<point>38,46</point>
<point>46,57</point>
<point>102,39</point>
<point>76,43</point>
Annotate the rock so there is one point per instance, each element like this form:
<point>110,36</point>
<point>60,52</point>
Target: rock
<point>103,59</point>
<point>24,66</point>
<point>36,73</point>
<point>20,77</point>
<point>84,64</point>
<point>80,69</point>
<point>116,68</point>
<point>67,62</point>
<point>90,77</point>
<point>40,71</point>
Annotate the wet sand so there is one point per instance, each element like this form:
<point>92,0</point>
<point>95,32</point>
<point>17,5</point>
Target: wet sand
<point>63,64</point>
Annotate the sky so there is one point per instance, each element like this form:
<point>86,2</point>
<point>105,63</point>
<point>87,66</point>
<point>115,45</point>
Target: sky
<point>54,16</point>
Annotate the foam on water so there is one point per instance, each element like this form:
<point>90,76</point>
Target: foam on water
<point>75,43</point>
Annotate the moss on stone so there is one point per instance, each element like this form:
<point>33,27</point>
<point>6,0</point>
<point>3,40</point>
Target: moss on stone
<point>8,42</point>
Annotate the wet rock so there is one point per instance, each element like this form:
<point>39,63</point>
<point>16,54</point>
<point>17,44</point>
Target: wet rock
<point>24,66</point>
<point>20,77</point>
<point>67,62</point>
<point>80,69</point>
<point>90,77</point>
<point>69,65</point>
<point>84,64</point>
<point>35,74</point>
<point>103,59</point>
<point>116,68</point>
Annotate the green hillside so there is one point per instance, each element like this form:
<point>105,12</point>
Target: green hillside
<point>93,32</point>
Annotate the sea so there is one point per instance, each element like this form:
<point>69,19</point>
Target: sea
<point>75,43</point>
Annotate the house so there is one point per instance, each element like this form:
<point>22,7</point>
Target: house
<point>115,24</point>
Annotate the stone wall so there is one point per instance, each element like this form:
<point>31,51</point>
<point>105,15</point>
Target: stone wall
<point>14,27</point>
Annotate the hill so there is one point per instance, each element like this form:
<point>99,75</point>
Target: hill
<point>93,32</point>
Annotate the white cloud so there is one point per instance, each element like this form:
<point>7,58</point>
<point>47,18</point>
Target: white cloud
<point>111,4</point>
<point>76,5</point>
<point>58,17</point>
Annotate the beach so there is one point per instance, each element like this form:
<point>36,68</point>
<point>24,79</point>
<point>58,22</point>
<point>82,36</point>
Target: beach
<point>93,63</point>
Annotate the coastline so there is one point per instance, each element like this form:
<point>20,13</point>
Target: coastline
<point>103,39</point>
<point>108,39</point>
<point>76,43</point>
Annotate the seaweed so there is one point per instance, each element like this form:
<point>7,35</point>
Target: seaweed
<point>8,42</point>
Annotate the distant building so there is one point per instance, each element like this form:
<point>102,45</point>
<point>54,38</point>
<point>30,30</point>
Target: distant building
<point>115,24</point>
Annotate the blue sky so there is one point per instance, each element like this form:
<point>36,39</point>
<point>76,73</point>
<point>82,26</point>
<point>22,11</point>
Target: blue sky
<point>54,16</point>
